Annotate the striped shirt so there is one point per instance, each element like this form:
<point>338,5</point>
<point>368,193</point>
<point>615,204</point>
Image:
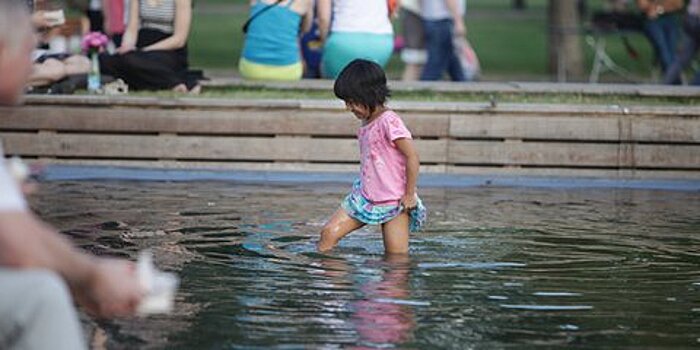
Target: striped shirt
<point>157,14</point>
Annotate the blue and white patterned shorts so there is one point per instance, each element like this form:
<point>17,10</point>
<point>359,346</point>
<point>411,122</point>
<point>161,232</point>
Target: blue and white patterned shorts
<point>363,210</point>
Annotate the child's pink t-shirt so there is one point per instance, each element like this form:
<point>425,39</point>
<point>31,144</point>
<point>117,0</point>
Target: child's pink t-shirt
<point>382,165</point>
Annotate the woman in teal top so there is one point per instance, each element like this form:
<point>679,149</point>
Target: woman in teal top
<point>271,49</point>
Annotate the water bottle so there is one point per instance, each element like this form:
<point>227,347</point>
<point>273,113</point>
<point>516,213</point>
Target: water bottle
<point>94,82</point>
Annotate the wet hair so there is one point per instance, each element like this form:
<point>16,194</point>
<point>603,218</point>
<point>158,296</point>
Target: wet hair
<point>362,82</point>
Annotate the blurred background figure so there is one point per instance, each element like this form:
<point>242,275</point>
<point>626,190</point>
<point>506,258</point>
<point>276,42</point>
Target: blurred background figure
<point>359,29</point>
<point>115,19</point>
<point>691,27</point>
<point>443,20</point>
<point>312,48</point>
<point>413,54</point>
<point>662,28</point>
<point>54,59</point>
<point>153,53</point>
<point>271,50</point>
<point>41,273</point>
<point>16,45</point>
<point>94,13</point>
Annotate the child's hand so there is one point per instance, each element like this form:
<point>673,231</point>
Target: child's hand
<point>409,201</point>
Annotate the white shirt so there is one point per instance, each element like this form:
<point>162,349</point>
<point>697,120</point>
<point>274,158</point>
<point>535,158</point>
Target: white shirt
<point>435,10</point>
<point>361,16</point>
<point>411,5</point>
<point>95,5</point>
<point>11,198</point>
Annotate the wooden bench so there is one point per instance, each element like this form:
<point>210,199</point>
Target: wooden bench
<point>466,138</point>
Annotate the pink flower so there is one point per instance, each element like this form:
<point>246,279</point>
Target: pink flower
<point>94,42</point>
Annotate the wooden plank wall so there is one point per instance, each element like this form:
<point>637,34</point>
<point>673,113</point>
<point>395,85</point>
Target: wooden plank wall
<point>609,141</point>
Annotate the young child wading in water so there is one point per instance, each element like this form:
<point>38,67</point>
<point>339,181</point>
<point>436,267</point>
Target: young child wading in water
<point>385,193</point>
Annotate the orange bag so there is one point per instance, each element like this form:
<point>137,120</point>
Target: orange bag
<point>393,6</point>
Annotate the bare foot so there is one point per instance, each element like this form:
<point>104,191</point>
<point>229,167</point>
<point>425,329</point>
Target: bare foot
<point>180,88</point>
<point>196,90</point>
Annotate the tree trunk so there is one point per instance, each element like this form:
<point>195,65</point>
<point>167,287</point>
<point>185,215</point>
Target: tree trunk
<point>565,53</point>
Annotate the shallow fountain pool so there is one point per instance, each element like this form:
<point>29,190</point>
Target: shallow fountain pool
<point>495,267</point>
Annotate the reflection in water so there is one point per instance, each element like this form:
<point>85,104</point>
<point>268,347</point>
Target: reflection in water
<point>495,268</point>
<point>382,316</point>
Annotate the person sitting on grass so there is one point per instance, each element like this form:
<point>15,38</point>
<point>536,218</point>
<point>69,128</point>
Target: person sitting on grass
<point>271,50</point>
<point>385,193</point>
<point>153,54</point>
<point>50,68</point>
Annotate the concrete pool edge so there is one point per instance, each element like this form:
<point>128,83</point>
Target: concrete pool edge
<point>55,172</point>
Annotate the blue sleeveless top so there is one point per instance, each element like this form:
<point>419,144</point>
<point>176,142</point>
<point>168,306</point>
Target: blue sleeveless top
<point>272,37</point>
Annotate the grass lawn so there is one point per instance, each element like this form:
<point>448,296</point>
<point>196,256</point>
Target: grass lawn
<point>511,45</point>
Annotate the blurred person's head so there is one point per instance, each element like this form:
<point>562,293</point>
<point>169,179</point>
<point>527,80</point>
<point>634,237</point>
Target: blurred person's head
<point>362,85</point>
<point>16,45</point>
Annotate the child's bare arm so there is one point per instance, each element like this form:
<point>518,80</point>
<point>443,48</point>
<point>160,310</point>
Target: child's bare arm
<point>412,166</point>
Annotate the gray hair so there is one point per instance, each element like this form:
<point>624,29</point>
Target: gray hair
<point>15,24</point>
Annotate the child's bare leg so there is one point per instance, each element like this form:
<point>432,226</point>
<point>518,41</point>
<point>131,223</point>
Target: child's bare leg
<point>395,233</point>
<point>339,225</point>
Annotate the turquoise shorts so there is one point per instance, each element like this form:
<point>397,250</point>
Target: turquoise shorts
<point>363,210</point>
<point>343,48</point>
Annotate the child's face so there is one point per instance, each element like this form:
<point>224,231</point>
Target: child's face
<point>360,111</point>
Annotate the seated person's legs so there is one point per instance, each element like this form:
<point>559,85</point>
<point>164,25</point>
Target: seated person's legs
<point>47,72</point>
<point>53,70</point>
<point>77,64</point>
<point>151,70</point>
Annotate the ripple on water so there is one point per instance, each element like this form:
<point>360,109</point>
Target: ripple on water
<point>547,307</point>
<point>495,268</point>
<point>470,266</point>
<point>556,294</point>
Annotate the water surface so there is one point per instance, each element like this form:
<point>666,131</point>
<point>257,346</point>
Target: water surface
<point>495,268</point>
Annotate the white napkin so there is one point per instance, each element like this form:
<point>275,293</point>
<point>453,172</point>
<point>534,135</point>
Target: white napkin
<point>160,286</point>
<point>18,169</point>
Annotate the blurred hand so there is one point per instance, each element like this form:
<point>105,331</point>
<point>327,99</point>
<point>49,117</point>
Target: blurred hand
<point>460,29</point>
<point>126,48</point>
<point>39,20</point>
<point>409,201</point>
<point>113,289</point>
<point>28,188</point>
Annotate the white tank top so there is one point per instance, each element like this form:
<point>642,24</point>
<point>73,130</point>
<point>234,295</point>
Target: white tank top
<point>411,5</point>
<point>435,10</point>
<point>364,16</point>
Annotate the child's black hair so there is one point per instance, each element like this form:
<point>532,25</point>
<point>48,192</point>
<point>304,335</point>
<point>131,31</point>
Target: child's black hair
<point>362,82</point>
